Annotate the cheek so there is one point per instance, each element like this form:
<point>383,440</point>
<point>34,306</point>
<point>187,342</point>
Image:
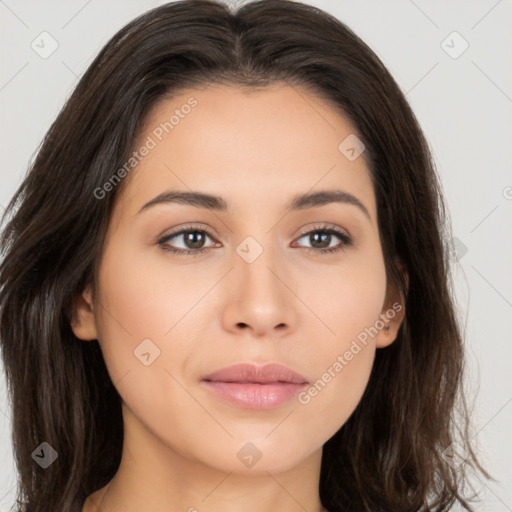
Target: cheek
<point>343,364</point>
<point>345,350</point>
<point>135,311</point>
<point>329,401</point>
<point>144,308</point>
<point>138,313</point>
<point>347,298</point>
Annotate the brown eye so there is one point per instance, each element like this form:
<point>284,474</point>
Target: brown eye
<point>321,239</point>
<point>192,241</point>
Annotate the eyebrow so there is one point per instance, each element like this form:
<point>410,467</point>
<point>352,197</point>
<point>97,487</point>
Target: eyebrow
<point>217,203</point>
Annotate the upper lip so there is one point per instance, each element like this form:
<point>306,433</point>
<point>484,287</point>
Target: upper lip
<point>243,372</point>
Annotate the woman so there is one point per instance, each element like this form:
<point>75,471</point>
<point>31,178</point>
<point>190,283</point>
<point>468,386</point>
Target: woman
<point>225,283</point>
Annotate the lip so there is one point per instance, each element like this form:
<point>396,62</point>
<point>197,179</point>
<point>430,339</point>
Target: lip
<point>255,387</point>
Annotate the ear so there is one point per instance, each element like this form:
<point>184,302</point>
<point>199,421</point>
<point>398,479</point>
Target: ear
<point>393,312</point>
<point>84,323</point>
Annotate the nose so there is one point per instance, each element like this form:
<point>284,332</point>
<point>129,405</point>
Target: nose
<point>260,298</point>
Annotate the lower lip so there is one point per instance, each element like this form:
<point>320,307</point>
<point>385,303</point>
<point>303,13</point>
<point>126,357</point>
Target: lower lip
<point>255,396</point>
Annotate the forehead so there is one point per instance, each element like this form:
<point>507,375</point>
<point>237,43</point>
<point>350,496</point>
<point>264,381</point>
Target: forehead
<point>246,145</point>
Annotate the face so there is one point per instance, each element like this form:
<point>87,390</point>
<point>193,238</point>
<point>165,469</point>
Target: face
<point>255,278</point>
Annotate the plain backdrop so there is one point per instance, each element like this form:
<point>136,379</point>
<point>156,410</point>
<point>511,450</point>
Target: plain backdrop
<point>460,87</point>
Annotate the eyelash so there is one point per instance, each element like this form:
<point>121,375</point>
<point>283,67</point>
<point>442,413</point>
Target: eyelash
<point>325,228</point>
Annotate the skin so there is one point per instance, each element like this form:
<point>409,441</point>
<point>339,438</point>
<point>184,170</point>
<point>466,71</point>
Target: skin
<point>256,149</point>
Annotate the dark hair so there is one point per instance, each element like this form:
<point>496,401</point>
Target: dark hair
<point>388,456</point>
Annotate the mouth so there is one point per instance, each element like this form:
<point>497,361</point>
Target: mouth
<point>253,387</point>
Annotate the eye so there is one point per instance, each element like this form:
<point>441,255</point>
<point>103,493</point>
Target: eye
<point>321,237</point>
<point>192,237</point>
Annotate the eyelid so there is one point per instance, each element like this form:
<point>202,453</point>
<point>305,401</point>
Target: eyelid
<point>303,231</point>
<point>319,226</point>
<point>183,229</point>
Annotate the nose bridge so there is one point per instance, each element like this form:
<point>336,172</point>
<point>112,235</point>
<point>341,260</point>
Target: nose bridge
<point>257,263</point>
<point>259,300</point>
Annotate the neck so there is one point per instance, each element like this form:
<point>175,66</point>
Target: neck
<point>155,477</point>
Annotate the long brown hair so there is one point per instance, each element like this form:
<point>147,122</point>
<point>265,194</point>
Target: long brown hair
<point>390,454</point>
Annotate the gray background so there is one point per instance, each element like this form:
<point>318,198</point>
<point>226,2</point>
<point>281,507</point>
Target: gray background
<point>463,102</point>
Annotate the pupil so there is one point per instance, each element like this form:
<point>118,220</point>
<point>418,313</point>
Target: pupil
<point>195,239</point>
<point>320,237</point>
